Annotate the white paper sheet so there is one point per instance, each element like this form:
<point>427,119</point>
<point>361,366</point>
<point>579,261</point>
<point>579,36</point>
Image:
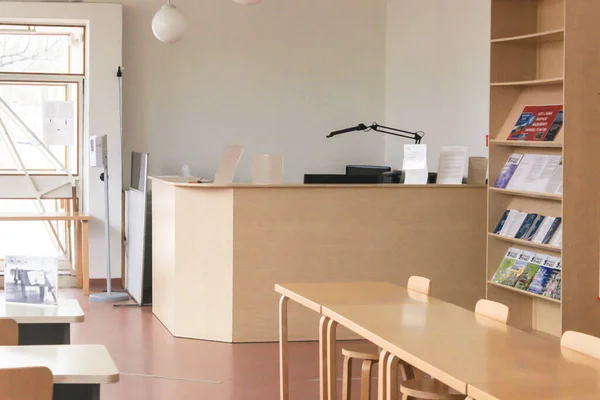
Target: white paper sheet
<point>451,169</point>
<point>58,127</point>
<point>414,164</point>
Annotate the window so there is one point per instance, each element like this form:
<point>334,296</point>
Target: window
<point>42,49</point>
<point>21,114</point>
<point>41,101</point>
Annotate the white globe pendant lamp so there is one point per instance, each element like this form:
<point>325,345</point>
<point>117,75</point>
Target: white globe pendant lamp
<point>169,24</point>
<point>247,2</point>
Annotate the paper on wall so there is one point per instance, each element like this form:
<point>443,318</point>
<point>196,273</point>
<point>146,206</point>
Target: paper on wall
<point>414,164</point>
<point>451,169</point>
<point>58,125</point>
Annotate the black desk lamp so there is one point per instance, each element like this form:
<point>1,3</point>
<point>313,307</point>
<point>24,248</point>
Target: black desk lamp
<point>416,136</point>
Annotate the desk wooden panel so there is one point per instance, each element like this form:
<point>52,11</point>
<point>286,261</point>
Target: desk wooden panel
<point>82,263</point>
<point>219,249</point>
<point>67,311</point>
<point>72,364</point>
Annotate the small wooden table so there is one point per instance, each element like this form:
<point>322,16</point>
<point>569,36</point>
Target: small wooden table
<point>44,325</point>
<point>82,242</point>
<point>78,370</point>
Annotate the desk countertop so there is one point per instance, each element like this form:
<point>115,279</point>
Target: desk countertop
<point>75,364</point>
<point>67,311</point>
<point>180,181</point>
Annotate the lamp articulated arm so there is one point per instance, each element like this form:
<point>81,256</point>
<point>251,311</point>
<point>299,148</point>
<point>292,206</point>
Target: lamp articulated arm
<point>416,136</point>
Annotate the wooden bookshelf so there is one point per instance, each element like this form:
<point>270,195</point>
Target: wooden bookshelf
<point>524,193</point>
<point>535,33</point>
<point>522,143</point>
<point>546,52</point>
<point>526,243</point>
<point>524,292</point>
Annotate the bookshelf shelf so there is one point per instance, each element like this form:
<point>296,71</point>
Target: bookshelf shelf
<point>521,143</point>
<point>555,35</point>
<point>524,292</point>
<point>523,193</point>
<point>535,82</point>
<point>527,243</point>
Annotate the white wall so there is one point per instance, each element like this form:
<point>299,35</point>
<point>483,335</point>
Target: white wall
<point>274,77</point>
<point>437,74</point>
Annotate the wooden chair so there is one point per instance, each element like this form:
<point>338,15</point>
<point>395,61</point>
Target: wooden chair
<point>581,343</point>
<point>432,389</point>
<point>9,332</point>
<point>369,353</point>
<point>33,383</point>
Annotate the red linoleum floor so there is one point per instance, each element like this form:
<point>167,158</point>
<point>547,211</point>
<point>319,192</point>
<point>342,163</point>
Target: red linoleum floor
<point>155,366</point>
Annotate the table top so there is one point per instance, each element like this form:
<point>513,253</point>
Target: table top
<point>501,391</point>
<point>317,295</point>
<point>45,216</point>
<point>460,348</point>
<point>75,364</point>
<point>192,182</point>
<point>67,311</point>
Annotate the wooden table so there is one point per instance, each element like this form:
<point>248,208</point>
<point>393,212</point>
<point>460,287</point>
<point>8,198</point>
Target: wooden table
<point>473,354</point>
<point>503,391</point>
<point>82,241</point>
<point>468,352</point>
<point>78,370</point>
<point>315,296</point>
<point>44,325</point>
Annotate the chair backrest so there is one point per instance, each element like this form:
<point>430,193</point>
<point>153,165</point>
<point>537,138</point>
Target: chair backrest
<point>9,332</point>
<point>493,310</point>
<point>581,343</point>
<point>32,383</point>
<point>419,284</point>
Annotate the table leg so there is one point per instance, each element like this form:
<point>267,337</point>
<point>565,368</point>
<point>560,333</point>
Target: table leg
<point>85,258</point>
<point>331,362</point>
<point>392,377</point>
<point>76,392</point>
<point>283,350</point>
<point>78,258</point>
<point>323,357</point>
<point>44,334</point>
<point>383,357</point>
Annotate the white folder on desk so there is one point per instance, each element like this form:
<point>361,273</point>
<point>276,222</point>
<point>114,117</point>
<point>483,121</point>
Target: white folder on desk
<point>229,161</point>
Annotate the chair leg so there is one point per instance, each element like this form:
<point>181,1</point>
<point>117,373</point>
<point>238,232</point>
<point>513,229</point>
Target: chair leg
<point>347,379</point>
<point>365,380</point>
<point>404,396</point>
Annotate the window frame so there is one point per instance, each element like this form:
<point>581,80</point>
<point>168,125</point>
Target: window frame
<point>83,43</point>
<point>52,80</point>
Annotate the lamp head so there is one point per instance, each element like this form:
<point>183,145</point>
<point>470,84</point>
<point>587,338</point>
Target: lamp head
<point>169,24</point>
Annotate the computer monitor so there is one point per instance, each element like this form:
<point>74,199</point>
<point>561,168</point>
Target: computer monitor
<point>366,169</point>
<point>330,179</point>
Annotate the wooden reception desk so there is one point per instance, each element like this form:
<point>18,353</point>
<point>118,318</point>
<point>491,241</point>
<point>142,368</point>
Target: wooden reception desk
<point>218,250</point>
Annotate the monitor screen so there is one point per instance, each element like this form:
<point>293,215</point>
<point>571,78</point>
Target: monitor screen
<point>139,171</point>
<point>366,169</point>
